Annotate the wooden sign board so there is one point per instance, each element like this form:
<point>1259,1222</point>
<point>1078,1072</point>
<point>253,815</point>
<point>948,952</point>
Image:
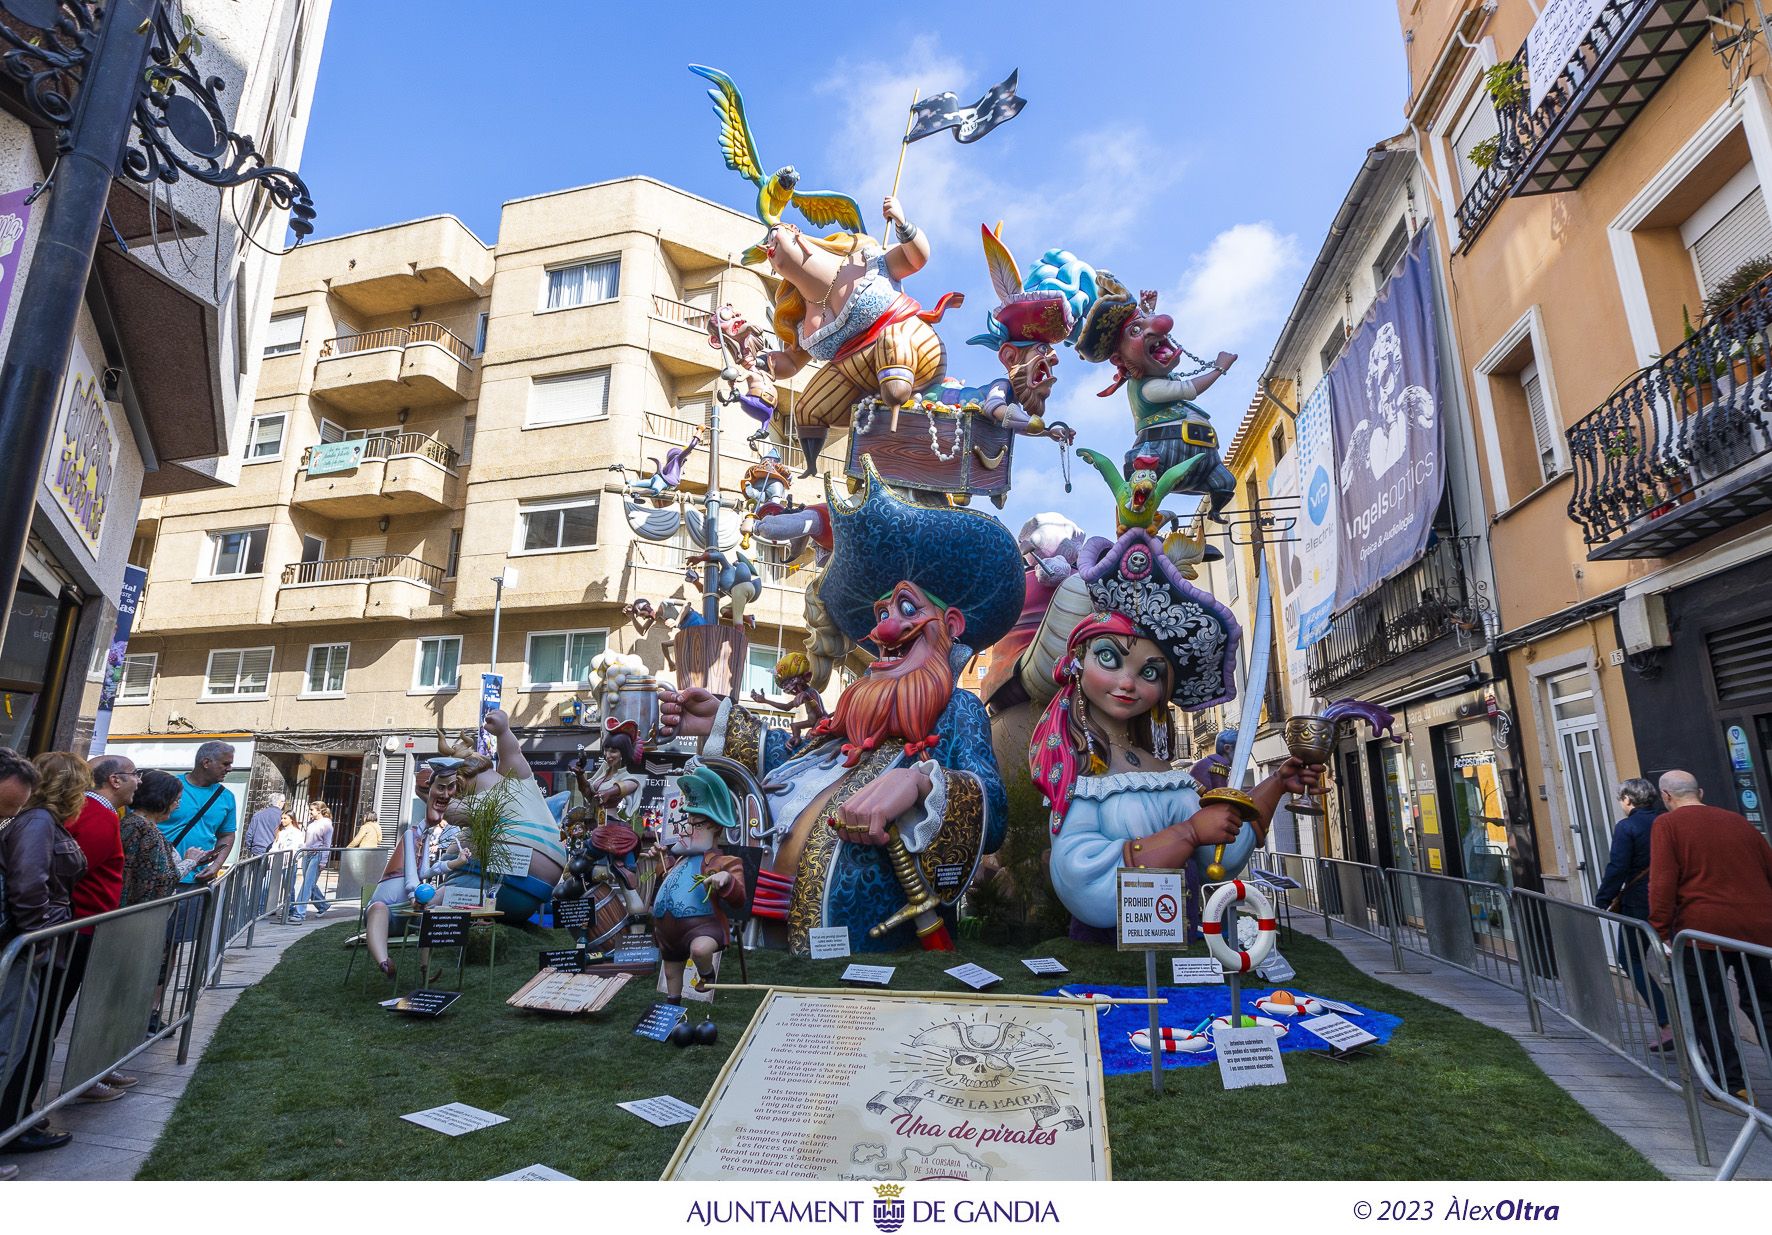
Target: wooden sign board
<point>569,993</point>
<point>443,930</point>
<point>980,1087</point>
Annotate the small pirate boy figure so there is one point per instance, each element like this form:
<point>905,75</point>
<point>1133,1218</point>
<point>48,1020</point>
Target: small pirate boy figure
<point>689,912</point>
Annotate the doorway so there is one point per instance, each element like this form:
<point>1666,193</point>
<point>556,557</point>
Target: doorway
<point>1575,721</point>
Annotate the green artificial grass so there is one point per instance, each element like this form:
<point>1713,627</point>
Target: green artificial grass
<point>307,1079</point>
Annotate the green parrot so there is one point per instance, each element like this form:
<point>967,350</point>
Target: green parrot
<point>775,192</point>
<point>1136,500</point>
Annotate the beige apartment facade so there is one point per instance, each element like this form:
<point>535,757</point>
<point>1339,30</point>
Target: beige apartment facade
<point>434,415</point>
<point>1599,171</point>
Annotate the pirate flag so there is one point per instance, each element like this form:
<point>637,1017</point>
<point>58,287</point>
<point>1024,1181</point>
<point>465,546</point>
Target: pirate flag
<point>942,111</point>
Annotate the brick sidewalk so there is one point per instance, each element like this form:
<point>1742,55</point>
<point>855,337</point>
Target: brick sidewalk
<point>113,1139</point>
<point>1648,1115</point>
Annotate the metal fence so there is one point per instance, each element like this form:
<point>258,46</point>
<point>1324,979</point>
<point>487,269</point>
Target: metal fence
<point>1702,968</point>
<point>1465,923</point>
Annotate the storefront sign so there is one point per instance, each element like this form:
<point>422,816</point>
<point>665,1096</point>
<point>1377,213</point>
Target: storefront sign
<point>1554,39</point>
<point>330,457</point>
<point>1384,393</point>
<point>1319,518</point>
<point>15,217</point>
<point>84,459</point>
<point>864,1085</point>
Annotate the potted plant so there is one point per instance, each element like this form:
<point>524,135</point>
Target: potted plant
<point>486,833</point>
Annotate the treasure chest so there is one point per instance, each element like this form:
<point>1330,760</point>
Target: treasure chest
<point>933,446</point>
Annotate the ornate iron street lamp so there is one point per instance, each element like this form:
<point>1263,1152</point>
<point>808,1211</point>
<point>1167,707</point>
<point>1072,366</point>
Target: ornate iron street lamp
<point>119,84</point>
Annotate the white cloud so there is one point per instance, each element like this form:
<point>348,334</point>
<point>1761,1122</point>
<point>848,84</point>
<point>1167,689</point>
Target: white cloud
<point>1240,283</point>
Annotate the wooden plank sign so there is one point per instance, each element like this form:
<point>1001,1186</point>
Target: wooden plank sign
<point>569,993</point>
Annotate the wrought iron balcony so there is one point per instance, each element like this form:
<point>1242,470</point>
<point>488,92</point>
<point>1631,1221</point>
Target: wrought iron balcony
<point>1681,450</point>
<point>355,569</point>
<point>1514,131</point>
<point>1435,598</point>
<point>390,445</point>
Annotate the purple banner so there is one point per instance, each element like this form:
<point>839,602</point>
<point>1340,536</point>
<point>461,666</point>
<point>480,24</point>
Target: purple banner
<point>128,601</point>
<point>1385,393</point>
<point>15,218</point>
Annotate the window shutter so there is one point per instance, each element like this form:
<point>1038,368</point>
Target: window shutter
<point>368,546</point>
<point>1741,661</point>
<point>138,677</point>
<point>391,801</point>
<point>569,397</point>
<point>1739,236</point>
<point>255,671</point>
<point>283,333</point>
<point>224,671</point>
<point>330,432</point>
<point>466,454</point>
<point>1483,124</point>
<point>1539,411</point>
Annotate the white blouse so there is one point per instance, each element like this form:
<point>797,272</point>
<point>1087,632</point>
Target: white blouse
<point>1105,813</point>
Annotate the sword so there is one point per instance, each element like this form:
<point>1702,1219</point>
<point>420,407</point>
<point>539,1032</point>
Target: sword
<point>1255,686</point>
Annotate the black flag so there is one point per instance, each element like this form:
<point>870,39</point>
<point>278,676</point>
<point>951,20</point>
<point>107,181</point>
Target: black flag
<point>943,111</point>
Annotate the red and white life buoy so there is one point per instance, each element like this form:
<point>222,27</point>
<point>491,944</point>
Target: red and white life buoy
<point>1267,927</point>
<point>1175,1041</point>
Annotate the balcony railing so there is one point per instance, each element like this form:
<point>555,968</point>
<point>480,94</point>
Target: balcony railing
<point>1514,134</point>
<point>354,569</point>
<point>1435,598</point>
<point>388,445</point>
<point>398,336</point>
<point>693,316</point>
<point>1680,450</point>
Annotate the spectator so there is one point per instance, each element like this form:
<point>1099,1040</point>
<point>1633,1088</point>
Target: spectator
<point>43,862</point>
<point>261,829</point>
<point>1624,889</point>
<point>1711,871</point>
<point>368,835</point>
<point>18,997</point>
<point>150,868</point>
<point>98,830</point>
<point>289,834</point>
<point>316,845</point>
<point>201,829</point>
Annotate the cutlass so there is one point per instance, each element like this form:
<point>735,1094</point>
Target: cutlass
<point>1232,857</point>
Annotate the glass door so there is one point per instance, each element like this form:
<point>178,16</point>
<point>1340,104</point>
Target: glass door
<point>1574,717</point>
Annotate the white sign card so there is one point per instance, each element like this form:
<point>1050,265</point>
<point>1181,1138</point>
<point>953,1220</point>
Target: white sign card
<point>1340,1033</point>
<point>828,942</point>
<point>1045,964</point>
<point>1553,40</point>
<point>873,975</point>
<point>1150,910</point>
<point>454,1119</point>
<point>534,1172</point>
<point>460,896</point>
<point>1248,1056</point>
<point>1340,1007</point>
<point>975,976</point>
<point>663,1111</point>
<point>1196,971</point>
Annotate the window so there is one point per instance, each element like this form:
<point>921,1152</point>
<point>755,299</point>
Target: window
<point>1480,124</point>
<point>1544,437</point>
<point>759,671</point>
<point>561,659</point>
<point>1332,346</point>
<point>326,669</point>
<point>1729,230</point>
<point>1391,256</point>
<point>438,664</point>
<point>1522,427</point>
<point>238,673</point>
<point>1279,444</point>
<point>283,334</point>
<point>697,409</point>
<point>96,670</point>
<point>313,548</point>
<point>452,562</point>
<point>265,441</point>
<point>568,398</point>
<point>233,554</point>
<point>467,442</point>
<point>480,334</point>
<point>330,432</point>
<point>570,523</point>
<point>583,283</point>
<point>138,677</point>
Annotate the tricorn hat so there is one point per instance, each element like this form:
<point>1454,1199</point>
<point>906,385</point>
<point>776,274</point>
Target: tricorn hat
<point>962,557</point>
<point>706,795</point>
<point>1101,325</point>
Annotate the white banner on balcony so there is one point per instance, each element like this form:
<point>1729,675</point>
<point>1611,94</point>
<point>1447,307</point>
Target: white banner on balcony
<point>1554,39</point>
<point>1319,519</point>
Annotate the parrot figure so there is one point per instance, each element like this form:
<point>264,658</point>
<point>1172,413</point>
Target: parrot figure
<point>776,191</point>
<point>1137,497</point>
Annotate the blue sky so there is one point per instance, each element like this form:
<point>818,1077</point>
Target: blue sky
<point>1197,148</point>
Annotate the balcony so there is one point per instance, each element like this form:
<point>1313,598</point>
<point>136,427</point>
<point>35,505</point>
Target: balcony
<point>660,432</point>
<point>394,269</point>
<point>349,589</point>
<point>1436,598</point>
<point>681,343</point>
<point>397,473</point>
<point>1681,450</point>
<point>1631,49</point>
<point>421,365</point>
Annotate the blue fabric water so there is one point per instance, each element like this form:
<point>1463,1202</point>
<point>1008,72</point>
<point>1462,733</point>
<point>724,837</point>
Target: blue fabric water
<point>1187,1007</point>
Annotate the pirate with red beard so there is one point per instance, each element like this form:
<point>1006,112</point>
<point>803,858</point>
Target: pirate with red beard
<point>893,799</point>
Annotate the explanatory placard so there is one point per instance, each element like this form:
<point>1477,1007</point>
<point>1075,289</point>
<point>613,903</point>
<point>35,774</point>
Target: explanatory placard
<point>863,1085</point>
<point>1151,914</point>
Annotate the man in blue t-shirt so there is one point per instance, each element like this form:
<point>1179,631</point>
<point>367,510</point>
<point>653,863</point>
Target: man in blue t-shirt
<point>206,817</point>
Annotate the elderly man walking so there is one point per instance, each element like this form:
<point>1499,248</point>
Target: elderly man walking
<point>1711,870</point>
<point>261,829</point>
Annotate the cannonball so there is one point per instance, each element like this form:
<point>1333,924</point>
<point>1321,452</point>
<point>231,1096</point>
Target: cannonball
<point>705,1033</point>
<point>579,864</point>
<point>682,1035</point>
<point>424,894</point>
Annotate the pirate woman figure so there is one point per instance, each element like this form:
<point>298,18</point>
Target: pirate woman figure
<point>1101,754</point>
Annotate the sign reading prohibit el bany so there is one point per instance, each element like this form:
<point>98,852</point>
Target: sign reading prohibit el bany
<point>84,457</point>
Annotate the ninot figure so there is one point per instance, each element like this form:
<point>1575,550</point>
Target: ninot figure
<point>701,885</point>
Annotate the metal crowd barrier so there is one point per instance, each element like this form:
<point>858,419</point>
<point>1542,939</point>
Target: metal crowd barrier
<point>1462,922</point>
<point>144,972</point>
<point>1702,965</point>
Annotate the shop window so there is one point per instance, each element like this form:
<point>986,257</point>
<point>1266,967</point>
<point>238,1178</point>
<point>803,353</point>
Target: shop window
<point>265,442</point>
<point>568,398</point>
<point>237,554</point>
<point>137,685</point>
<point>238,673</point>
<point>283,333</point>
<point>582,283</point>
<point>326,669</point>
<point>570,523</point>
<point>561,659</point>
<point>437,666</point>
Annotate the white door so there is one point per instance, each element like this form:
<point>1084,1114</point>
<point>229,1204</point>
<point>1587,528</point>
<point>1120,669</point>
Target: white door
<point>1575,718</point>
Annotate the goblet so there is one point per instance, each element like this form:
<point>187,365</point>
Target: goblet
<point>1312,739</point>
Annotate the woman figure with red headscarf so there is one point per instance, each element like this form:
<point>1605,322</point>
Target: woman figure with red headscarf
<point>1101,757</point>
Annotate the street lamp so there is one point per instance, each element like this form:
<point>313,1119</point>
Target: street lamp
<point>503,579</point>
<point>126,98</point>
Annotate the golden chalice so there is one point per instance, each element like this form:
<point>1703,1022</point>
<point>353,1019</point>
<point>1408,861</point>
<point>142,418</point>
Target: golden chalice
<point>1312,739</point>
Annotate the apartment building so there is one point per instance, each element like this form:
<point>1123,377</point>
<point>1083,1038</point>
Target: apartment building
<point>161,379</point>
<point>428,469</point>
<point>1598,168</point>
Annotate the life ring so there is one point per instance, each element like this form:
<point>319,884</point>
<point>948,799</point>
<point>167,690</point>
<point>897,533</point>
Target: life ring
<point>1289,1007</point>
<point>1267,927</point>
<point>1175,1041</point>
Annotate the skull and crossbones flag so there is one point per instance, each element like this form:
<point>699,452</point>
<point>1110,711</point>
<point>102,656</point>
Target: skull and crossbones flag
<point>943,111</point>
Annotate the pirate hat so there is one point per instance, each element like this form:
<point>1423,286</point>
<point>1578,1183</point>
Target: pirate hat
<point>1101,324</point>
<point>706,796</point>
<point>962,558</point>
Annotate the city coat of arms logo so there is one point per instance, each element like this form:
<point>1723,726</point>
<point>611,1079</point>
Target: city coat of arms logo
<point>888,1207</point>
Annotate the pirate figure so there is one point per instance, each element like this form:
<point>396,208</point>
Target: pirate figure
<point>689,913</point>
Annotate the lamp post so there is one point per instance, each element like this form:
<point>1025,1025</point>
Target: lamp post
<point>126,98</point>
<point>498,601</point>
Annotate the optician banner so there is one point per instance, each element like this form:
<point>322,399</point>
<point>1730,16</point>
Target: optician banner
<point>1319,520</point>
<point>1385,393</point>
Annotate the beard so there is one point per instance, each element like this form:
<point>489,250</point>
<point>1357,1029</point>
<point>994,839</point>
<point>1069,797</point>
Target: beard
<point>905,707</point>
